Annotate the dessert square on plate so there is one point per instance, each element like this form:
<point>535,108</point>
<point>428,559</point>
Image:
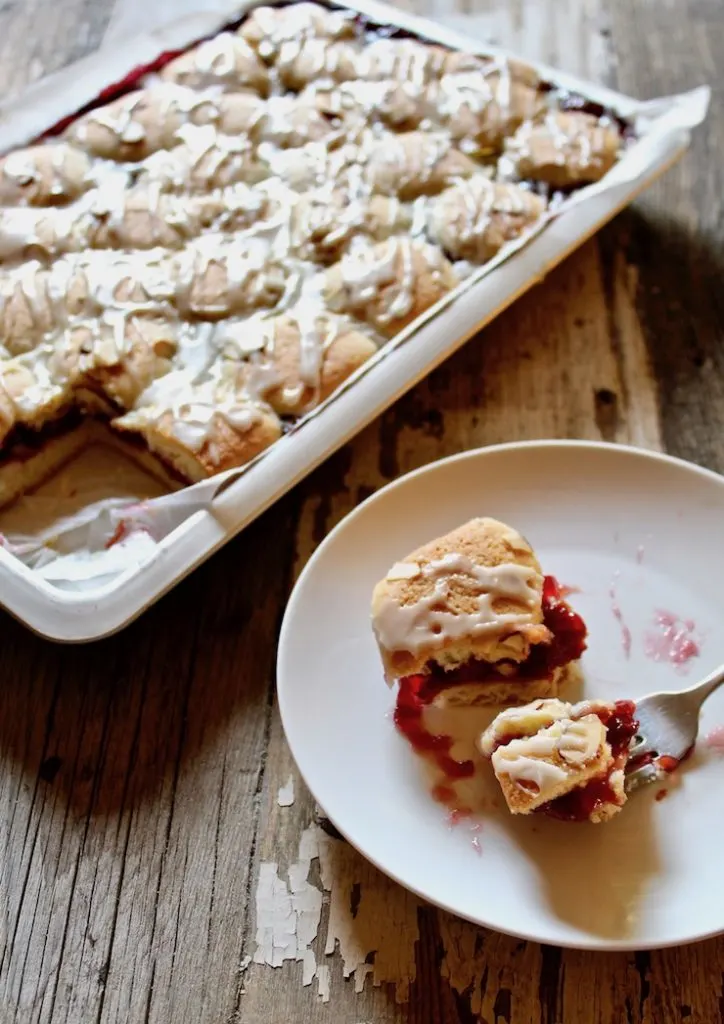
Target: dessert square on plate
<point>566,760</point>
<point>472,613</point>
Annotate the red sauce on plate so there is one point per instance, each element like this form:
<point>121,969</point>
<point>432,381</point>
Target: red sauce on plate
<point>415,693</point>
<point>568,628</point>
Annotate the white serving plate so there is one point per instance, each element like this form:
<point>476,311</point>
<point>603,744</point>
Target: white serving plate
<point>75,616</point>
<point>598,516</point>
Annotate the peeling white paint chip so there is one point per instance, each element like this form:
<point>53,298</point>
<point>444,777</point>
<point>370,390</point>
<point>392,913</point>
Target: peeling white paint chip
<point>285,796</point>
<point>372,921</point>
<point>323,982</point>
<point>288,915</point>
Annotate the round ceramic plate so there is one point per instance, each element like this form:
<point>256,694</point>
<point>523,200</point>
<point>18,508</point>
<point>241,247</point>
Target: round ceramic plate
<point>642,536</point>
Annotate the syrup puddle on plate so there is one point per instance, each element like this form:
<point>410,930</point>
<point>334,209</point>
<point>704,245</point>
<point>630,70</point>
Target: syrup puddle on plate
<point>456,775</point>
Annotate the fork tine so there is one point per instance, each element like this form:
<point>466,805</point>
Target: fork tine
<point>640,746</point>
<point>640,777</point>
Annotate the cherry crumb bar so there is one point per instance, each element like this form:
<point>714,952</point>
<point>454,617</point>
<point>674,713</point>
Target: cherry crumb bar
<point>469,618</point>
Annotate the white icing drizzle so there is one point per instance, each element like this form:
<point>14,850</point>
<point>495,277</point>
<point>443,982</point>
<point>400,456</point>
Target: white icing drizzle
<point>274,27</point>
<point>568,140</point>
<point>314,334</point>
<point>401,303</point>
<point>473,218</point>
<point>471,89</point>
<point>314,337</point>
<point>399,163</point>
<point>218,56</point>
<point>581,739</point>
<point>121,122</point>
<point>190,411</point>
<point>429,622</point>
<point>153,116</point>
<point>405,60</point>
<point>530,763</point>
<point>108,217</point>
<point>363,275</point>
<point>559,138</point>
<point>390,266</point>
<point>226,59</point>
<point>43,174</point>
<point>542,777</point>
<point>34,387</point>
<point>523,721</point>
<point>20,168</point>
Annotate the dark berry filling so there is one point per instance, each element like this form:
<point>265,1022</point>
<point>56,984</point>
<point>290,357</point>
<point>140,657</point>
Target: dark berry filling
<point>580,804</point>
<point>568,629</point>
<point>621,728</point>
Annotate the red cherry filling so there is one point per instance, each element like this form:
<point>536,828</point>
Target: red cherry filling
<point>568,628</point>
<point>621,728</point>
<point>580,804</point>
<point>413,696</point>
<point>416,692</point>
<point>568,644</point>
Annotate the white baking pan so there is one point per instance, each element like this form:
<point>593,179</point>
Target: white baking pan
<point>82,596</point>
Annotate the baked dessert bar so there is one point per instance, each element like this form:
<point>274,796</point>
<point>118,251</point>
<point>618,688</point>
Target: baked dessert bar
<point>564,760</point>
<point>564,149</point>
<point>209,253</point>
<point>472,620</point>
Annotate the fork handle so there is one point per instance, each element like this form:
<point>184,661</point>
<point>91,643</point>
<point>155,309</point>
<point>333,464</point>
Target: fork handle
<point>706,687</point>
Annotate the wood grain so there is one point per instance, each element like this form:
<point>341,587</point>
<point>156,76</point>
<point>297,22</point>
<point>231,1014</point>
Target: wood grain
<point>139,776</point>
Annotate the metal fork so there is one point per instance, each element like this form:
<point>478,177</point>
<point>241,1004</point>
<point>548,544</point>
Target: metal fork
<point>668,727</point>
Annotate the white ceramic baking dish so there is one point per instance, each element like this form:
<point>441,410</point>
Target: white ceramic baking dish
<point>226,507</point>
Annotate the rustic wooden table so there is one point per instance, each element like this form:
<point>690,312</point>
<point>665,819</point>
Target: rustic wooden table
<point>149,809</point>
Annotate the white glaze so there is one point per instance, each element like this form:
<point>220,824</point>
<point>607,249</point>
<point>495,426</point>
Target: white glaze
<point>532,760</point>
<point>543,777</point>
<point>427,622</point>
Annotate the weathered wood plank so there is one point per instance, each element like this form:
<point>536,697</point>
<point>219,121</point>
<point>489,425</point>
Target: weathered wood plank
<point>675,229</point>
<point>675,245</point>
<point>129,898</point>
